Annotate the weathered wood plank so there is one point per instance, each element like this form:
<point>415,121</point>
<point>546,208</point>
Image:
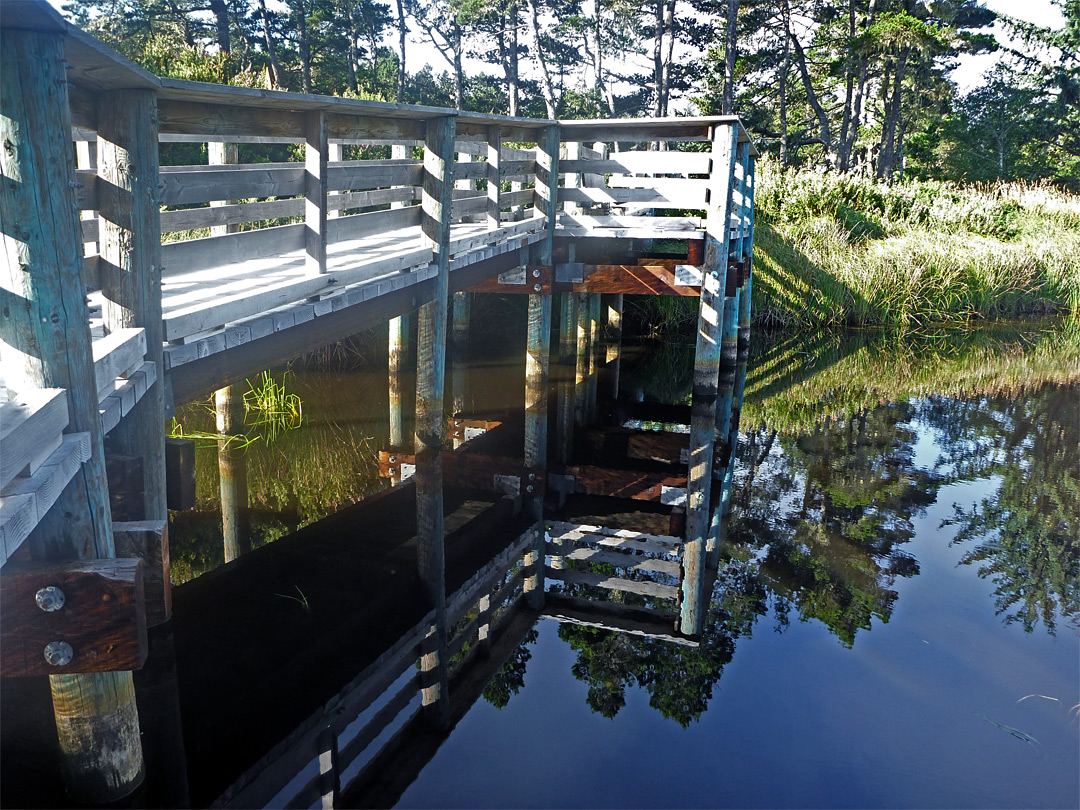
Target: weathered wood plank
<point>315,189</point>
<point>645,588</point>
<point>642,486</point>
<point>630,619</point>
<point>102,618</point>
<point>115,355</point>
<point>224,215</point>
<point>27,500</point>
<point>642,163</point>
<point>214,251</point>
<point>616,538</point>
<point>191,185</point>
<point>28,423</point>
<point>619,559</point>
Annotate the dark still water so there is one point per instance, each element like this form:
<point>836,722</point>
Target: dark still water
<point>894,621</point>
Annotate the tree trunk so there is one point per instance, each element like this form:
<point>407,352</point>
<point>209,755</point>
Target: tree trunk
<point>887,157</point>
<point>669,24</point>
<point>825,131</point>
<point>402,29</point>
<point>729,57</point>
<point>784,69</point>
<point>221,17</point>
<point>353,58</point>
<point>658,57</point>
<point>459,75</point>
<point>847,147</point>
<point>849,90</point>
<point>545,84</point>
<point>275,68</point>
<point>304,47</point>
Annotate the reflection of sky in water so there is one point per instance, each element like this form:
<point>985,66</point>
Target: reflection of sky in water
<point>797,719</point>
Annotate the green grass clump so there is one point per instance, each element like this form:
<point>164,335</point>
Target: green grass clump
<point>838,249</point>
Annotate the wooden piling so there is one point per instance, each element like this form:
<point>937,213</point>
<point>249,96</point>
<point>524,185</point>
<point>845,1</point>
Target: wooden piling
<point>232,470</point>
<point>399,334</point>
<point>130,249</point>
<point>613,351</point>
<point>431,364</point>
<point>222,154</point>
<point>567,351</point>
<point>581,366</point>
<point>96,717</point>
<point>594,351</point>
<point>706,370</point>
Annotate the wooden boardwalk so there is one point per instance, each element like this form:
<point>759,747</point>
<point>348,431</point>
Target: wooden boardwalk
<point>131,286</point>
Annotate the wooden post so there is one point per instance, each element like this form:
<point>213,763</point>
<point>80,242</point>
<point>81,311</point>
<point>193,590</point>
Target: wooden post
<point>431,360</point>
<point>536,363</point>
<point>232,469</point>
<point>316,148</point>
<point>748,258</point>
<point>613,357</point>
<point>494,176</point>
<point>96,717</point>
<point>572,180</point>
<point>462,307</point>
<point>220,154</point>
<point>333,155</point>
<point>130,248</point>
<point>706,368</point>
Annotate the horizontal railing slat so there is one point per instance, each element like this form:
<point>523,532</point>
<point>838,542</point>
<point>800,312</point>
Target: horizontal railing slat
<point>214,251</point>
<point>644,588</point>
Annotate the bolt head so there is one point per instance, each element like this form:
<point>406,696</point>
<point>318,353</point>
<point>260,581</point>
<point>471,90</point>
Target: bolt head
<point>393,459</point>
<point>532,476</point>
<point>537,287</point>
<point>529,488</point>
<point>392,471</point>
<point>59,653</point>
<point>50,599</point>
<point>536,274</point>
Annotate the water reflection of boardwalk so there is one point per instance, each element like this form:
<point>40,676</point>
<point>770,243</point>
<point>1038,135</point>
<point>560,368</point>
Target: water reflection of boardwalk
<point>136,281</point>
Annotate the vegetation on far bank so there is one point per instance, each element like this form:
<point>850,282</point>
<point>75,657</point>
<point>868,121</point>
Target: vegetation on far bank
<point>842,249</point>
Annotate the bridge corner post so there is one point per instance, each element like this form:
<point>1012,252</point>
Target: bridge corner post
<point>130,250</point>
<point>96,716</point>
<point>613,354</point>
<point>536,363</point>
<point>693,597</point>
<point>431,366</point>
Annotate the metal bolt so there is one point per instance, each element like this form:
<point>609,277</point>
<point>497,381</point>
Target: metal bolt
<point>536,274</point>
<point>392,471</point>
<point>529,488</point>
<point>532,476</point>
<point>50,599</point>
<point>59,653</point>
<point>393,459</point>
<point>537,287</point>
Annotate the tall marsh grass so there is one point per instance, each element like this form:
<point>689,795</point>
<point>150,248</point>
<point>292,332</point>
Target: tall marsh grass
<point>836,249</point>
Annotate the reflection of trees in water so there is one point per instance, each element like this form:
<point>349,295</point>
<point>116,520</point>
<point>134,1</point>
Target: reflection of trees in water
<point>825,520</point>
<point>1028,531</point>
<point>508,681</point>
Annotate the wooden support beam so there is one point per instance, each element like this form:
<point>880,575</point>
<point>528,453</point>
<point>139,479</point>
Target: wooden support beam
<point>640,279</point>
<point>399,334</point>
<point>148,540</point>
<point>706,372</point>
<point>594,351</point>
<point>613,343</point>
<point>97,720</point>
<point>620,618</point>
<point>431,364</point>
<point>658,487</point>
<point>180,473</point>
<point>316,178</point>
<point>72,617</point>
<point>130,249</point>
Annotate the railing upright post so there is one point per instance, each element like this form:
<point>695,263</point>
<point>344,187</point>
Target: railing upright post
<point>130,249</point>
<point>96,717</point>
<point>536,363</point>
<point>494,176</point>
<point>232,470</point>
<point>706,368</point>
<point>316,149</point>
<point>222,154</point>
<point>613,355</point>
<point>334,152</point>
<point>431,365</point>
